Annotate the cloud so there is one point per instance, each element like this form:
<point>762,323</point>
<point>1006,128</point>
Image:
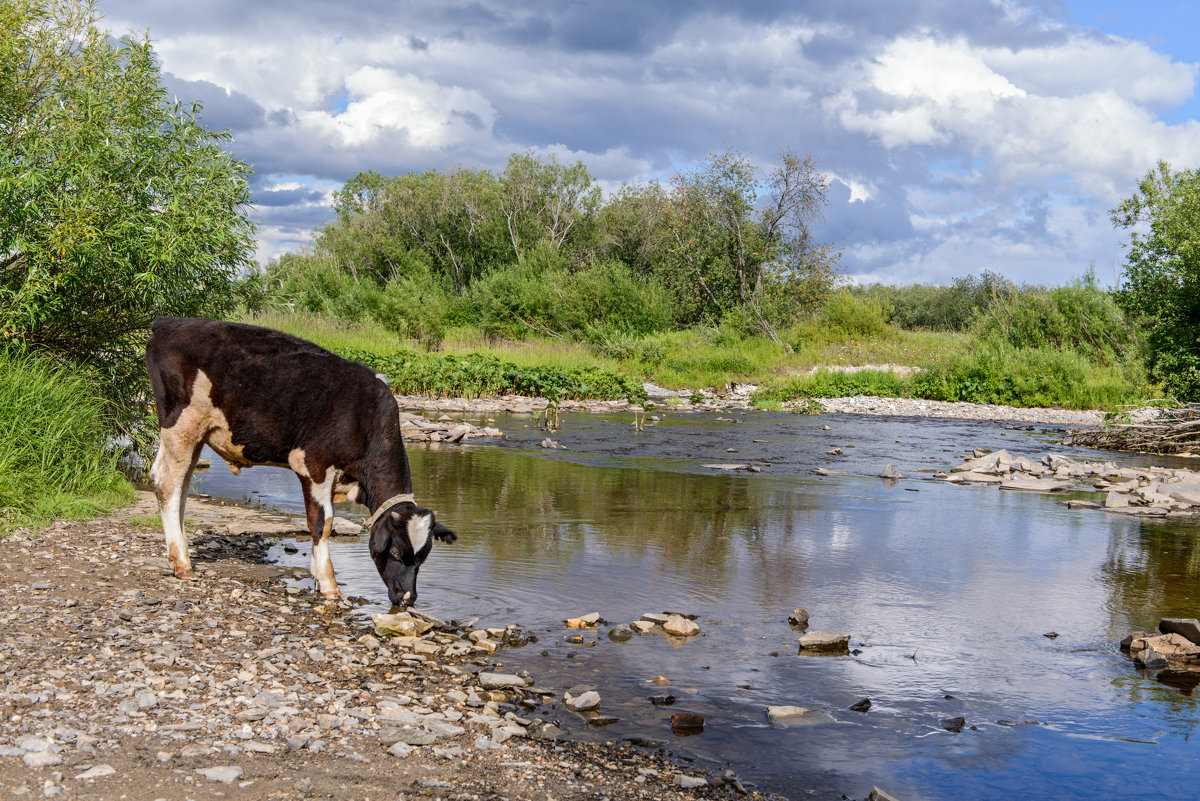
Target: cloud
<point>962,136</point>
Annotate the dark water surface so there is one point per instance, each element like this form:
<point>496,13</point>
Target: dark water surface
<point>947,592</point>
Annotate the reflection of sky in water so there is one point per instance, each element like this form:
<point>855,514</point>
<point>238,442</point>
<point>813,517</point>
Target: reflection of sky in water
<point>947,591</point>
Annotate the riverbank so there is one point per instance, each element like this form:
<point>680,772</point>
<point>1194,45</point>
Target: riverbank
<point>122,681</point>
<point>740,399</point>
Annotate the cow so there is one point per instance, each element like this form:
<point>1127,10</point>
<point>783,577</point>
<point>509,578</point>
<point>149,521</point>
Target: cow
<point>261,397</point>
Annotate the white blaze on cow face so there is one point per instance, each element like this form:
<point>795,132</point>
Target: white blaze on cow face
<point>418,532</point>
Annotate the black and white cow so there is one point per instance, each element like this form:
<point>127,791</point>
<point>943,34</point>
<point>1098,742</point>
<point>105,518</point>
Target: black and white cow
<point>262,397</point>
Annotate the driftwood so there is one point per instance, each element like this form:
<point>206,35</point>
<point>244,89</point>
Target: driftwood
<point>1169,429</point>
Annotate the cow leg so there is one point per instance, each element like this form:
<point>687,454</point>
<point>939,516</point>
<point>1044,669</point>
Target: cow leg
<point>172,473</point>
<point>318,505</point>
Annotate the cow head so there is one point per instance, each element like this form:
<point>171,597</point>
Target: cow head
<point>401,539</point>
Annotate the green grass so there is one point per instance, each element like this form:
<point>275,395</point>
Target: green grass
<point>954,366</point>
<point>54,436</point>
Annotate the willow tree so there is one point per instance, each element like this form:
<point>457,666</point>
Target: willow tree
<point>116,203</point>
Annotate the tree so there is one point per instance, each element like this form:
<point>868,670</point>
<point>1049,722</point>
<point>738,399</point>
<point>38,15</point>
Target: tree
<point>116,204</point>
<point>728,243</point>
<point>1161,282</point>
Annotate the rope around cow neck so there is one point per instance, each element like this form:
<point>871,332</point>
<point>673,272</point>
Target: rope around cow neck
<point>406,497</point>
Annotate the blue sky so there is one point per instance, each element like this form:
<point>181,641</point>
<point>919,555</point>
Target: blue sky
<point>958,136</point>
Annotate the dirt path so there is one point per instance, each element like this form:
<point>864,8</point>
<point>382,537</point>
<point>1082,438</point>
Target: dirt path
<point>123,682</point>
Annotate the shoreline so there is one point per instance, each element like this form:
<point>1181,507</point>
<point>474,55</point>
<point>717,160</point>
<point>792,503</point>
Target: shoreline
<point>237,685</point>
<point>857,404</point>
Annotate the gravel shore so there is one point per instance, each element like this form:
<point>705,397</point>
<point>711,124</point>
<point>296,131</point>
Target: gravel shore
<point>123,682</point>
<point>859,404</point>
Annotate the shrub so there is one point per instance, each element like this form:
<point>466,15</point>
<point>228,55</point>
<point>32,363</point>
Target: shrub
<point>857,316</point>
<point>56,458</point>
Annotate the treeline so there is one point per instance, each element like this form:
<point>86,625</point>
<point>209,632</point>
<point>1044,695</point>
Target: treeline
<point>538,249</point>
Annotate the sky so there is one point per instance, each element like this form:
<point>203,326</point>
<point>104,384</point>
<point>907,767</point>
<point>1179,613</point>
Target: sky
<point>958,135</point>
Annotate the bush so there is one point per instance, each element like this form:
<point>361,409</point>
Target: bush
<point>1079,316</point>
<point>478,375</point>
<point>938,308</point>
<point>56,458</point>
<point>857,316</point>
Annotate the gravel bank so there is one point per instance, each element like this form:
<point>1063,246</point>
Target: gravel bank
<point>859,404</point>
<point>124,682</point>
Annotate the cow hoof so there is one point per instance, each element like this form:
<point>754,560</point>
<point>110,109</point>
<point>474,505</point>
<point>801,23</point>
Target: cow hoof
<point>331,596</point>
<point>186,574</point>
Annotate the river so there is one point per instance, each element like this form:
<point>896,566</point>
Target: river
<point>947,593</point>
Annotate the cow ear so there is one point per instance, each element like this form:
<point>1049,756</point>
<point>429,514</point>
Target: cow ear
<point>379,543</point>
<point>442,533</point>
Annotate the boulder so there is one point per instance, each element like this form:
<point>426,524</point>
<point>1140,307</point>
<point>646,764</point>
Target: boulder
<point>794,715</point>
<point>1036,484</point>
<point>989,462</point>
<point>798,617</point>
<point>890,472</point>
<point>584,622</point>
<point>499,681</point>
<point>1187,627</point>
<point>679,626</point>
<point>826,642</point>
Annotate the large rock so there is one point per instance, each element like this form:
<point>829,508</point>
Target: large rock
<point>499,681</point>
<point>1036,484</point>
<point>825,642</point>
<point>987,463</point>
<point>679,626</point>
<point>795,716</point>
<point>1188,627</point>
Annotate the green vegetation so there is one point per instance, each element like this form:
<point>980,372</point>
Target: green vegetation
<point>116,204</point>
<point>1161,288</point>
<point>55,459</point>
<point>536,251</point>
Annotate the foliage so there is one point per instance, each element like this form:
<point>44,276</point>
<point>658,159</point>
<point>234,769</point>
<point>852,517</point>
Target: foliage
<point>537,249</point>
<point>55,459</point>
<point>481,375</point>
<point>1025,377</point>
<point>116,204</point>
<point>1161,282</point>
<point>856,315</point>
<point>727,244</point>
<point>938,308</point>
<point>1079,316</point>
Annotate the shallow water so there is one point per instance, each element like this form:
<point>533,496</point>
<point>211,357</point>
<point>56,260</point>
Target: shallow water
<point>947,592</point>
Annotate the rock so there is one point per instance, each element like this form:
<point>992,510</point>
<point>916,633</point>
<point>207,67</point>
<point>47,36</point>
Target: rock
<point>1172,647</point>
<point>643,626</point>
<point>954,724</point>
<point>678,626</point>
<point>798,617</point>
<point>1186,627</point>
<point>409,735</point>
<point>1116,500</point>
<point>226,774</point>
<point>890,472</point>
<point>729,467</point>
<point>662,700</point>
<point>825,642</point>
<point>621,632</point>
<point>1138,635</point>
<point>861,706</point>
<point>587,621</point>
<point>880,795</point>
<point>41,759</point>
<point>400,749</point>
<point>984,463</point>
<point>549,443</point>
<point>786,715</point>
<point>690,782</point>
<point>1036,485</point>
<point>499,681</point>
<point>687,723</point>
<point>97,772</point>
<point>579,703</point>
<point>655,618</point>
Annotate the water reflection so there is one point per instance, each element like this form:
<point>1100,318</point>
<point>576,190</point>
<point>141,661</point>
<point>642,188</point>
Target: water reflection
<point>947,592</point>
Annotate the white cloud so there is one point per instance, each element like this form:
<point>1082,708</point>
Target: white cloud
<point>1028,120</point>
